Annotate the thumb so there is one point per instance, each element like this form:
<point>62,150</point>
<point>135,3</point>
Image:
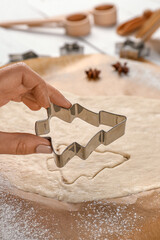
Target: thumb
<point>23,143</point>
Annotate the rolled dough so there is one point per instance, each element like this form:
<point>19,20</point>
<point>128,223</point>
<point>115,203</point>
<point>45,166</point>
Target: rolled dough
<point>129,165</point>
<point>67,74</point>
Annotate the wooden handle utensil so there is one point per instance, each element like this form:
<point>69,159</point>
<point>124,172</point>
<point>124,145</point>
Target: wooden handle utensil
<point>133,24</point>
<point>149,27</point>
<point>75,24</point>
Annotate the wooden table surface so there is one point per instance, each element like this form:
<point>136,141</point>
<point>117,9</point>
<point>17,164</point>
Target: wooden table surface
<point>30,216</point>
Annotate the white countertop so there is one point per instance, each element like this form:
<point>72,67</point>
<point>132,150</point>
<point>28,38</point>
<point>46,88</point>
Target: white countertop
<point>47,41</point>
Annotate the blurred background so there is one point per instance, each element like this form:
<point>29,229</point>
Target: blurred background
<point>47,41</point>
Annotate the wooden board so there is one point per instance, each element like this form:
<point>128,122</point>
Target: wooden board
<point>30,216</point>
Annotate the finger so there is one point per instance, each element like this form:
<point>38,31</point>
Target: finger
<point>33,83</point>
<point>23,143</point>
<point>31,104</point>
<point>38,87</point>
<point>57,98</point>
<point>17,80</point>
<point>40,94</point>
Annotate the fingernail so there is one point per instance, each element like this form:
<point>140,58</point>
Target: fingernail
<point>43,149</point>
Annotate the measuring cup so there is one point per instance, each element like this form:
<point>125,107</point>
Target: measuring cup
<point>105,15</point>
<point>74,24</point>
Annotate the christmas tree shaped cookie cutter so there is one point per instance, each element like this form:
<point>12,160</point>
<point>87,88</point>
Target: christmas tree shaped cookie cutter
<point>117,122</point>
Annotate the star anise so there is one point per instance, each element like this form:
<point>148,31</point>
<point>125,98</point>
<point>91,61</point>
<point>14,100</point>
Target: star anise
<point>93,74</point>
<point>121,68</point>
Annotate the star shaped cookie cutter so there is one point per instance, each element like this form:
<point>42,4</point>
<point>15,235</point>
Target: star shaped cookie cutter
<point>117,122</point>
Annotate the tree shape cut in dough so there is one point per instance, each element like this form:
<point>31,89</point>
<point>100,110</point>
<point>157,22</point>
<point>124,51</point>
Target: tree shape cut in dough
<point>118,158</point>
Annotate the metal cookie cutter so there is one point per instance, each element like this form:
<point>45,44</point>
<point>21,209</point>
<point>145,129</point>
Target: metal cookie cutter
<point>117,122</point>
<point>71,49</point>
<point>24,56</point>
<point>136,48</point>
<point>132,49</point>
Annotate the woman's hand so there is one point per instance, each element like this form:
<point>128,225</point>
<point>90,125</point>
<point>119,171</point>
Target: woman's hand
<point>21,84</point>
